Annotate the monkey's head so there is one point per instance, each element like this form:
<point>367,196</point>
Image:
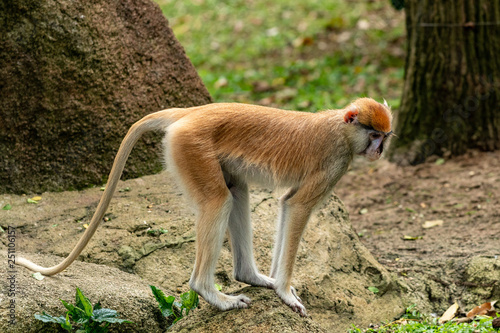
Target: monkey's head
<point>371,126</point>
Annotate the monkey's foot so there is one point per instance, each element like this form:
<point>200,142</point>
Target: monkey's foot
<point>292,300</point>
<point>225,302</point>
<point>257,280</point>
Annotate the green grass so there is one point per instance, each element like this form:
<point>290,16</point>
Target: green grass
<point>415,322</point>
<point>483,325</point>
<point>305,55</point>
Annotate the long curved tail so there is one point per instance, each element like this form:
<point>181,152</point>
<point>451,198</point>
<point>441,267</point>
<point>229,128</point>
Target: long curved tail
<point>155,121</point>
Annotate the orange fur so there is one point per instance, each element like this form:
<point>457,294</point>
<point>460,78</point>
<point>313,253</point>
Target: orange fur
<point>373,114</point>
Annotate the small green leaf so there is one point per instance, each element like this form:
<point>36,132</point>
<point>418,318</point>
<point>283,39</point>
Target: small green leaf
<point>440,161</point>
<point>7,207</point>
<point>70,307</point>
<point>373,289</point>
<point>101,314</point>
<point>46,318</point>
<point>218,287</point>
<point>38,276</point>
<point>190,300</point>
<point>102,188</point>
<point>83,302</point>
<point>1,229</point>
<point>165,303</point>
<point>108,316</point>
<point>31,201</point>
<point>67,325</point>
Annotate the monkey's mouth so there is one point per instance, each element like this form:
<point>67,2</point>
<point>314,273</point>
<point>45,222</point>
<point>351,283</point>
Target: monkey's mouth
<point>373,153</point>
<point>380,149</point>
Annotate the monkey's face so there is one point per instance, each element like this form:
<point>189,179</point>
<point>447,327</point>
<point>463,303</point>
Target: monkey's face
<point>375,146</point>
<point>371,124</point>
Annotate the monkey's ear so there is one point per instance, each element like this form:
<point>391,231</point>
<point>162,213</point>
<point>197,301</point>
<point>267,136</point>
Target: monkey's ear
<point>351,116</point>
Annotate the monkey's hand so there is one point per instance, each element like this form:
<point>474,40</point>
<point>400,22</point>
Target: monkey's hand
<point>289,296</point>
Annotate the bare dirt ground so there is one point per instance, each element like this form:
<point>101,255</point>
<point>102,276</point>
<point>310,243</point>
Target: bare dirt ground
<point>442,263</point>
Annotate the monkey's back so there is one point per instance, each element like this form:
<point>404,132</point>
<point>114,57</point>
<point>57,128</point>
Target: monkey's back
<point>288,144</point>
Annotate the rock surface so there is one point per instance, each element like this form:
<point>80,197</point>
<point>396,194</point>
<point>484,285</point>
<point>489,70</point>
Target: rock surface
<point>148,231</point>
<point>124,292</point>
<point>74,76</point>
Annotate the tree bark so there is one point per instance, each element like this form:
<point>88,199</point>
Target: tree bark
<point>451,94</point>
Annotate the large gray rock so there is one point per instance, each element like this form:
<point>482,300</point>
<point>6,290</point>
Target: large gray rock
<point>74,75</point>
<point>124,292</point>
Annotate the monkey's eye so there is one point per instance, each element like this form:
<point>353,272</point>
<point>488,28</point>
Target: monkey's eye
<point>375,136</point>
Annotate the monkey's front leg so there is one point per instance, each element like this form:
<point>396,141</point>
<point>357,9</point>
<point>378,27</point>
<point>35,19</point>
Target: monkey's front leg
<point>296,207</point>
<point>280,230</point>
<point>293,227</point>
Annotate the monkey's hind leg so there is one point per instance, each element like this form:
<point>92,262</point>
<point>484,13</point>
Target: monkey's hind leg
<point>202,179</point>
<point>211,225</point>
<point>240,230</point>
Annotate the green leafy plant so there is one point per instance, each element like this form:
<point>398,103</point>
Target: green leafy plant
<point>86,318</point>
<point>175,311</point>
<point>412,313</point>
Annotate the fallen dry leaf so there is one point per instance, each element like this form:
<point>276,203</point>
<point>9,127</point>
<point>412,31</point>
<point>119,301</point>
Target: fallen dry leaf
<point>462,320</point>
<point>432,224</point>
<point>411,238</point>
<point>449,314</point>
<point>483,309</point>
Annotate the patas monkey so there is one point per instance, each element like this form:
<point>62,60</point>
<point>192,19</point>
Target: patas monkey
<point>216,149</point>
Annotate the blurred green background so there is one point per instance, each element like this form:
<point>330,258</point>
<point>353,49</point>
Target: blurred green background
<point>302,54</point>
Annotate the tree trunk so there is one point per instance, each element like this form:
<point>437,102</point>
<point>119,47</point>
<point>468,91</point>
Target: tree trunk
<point>452,79</point>
<point>74,75</point>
